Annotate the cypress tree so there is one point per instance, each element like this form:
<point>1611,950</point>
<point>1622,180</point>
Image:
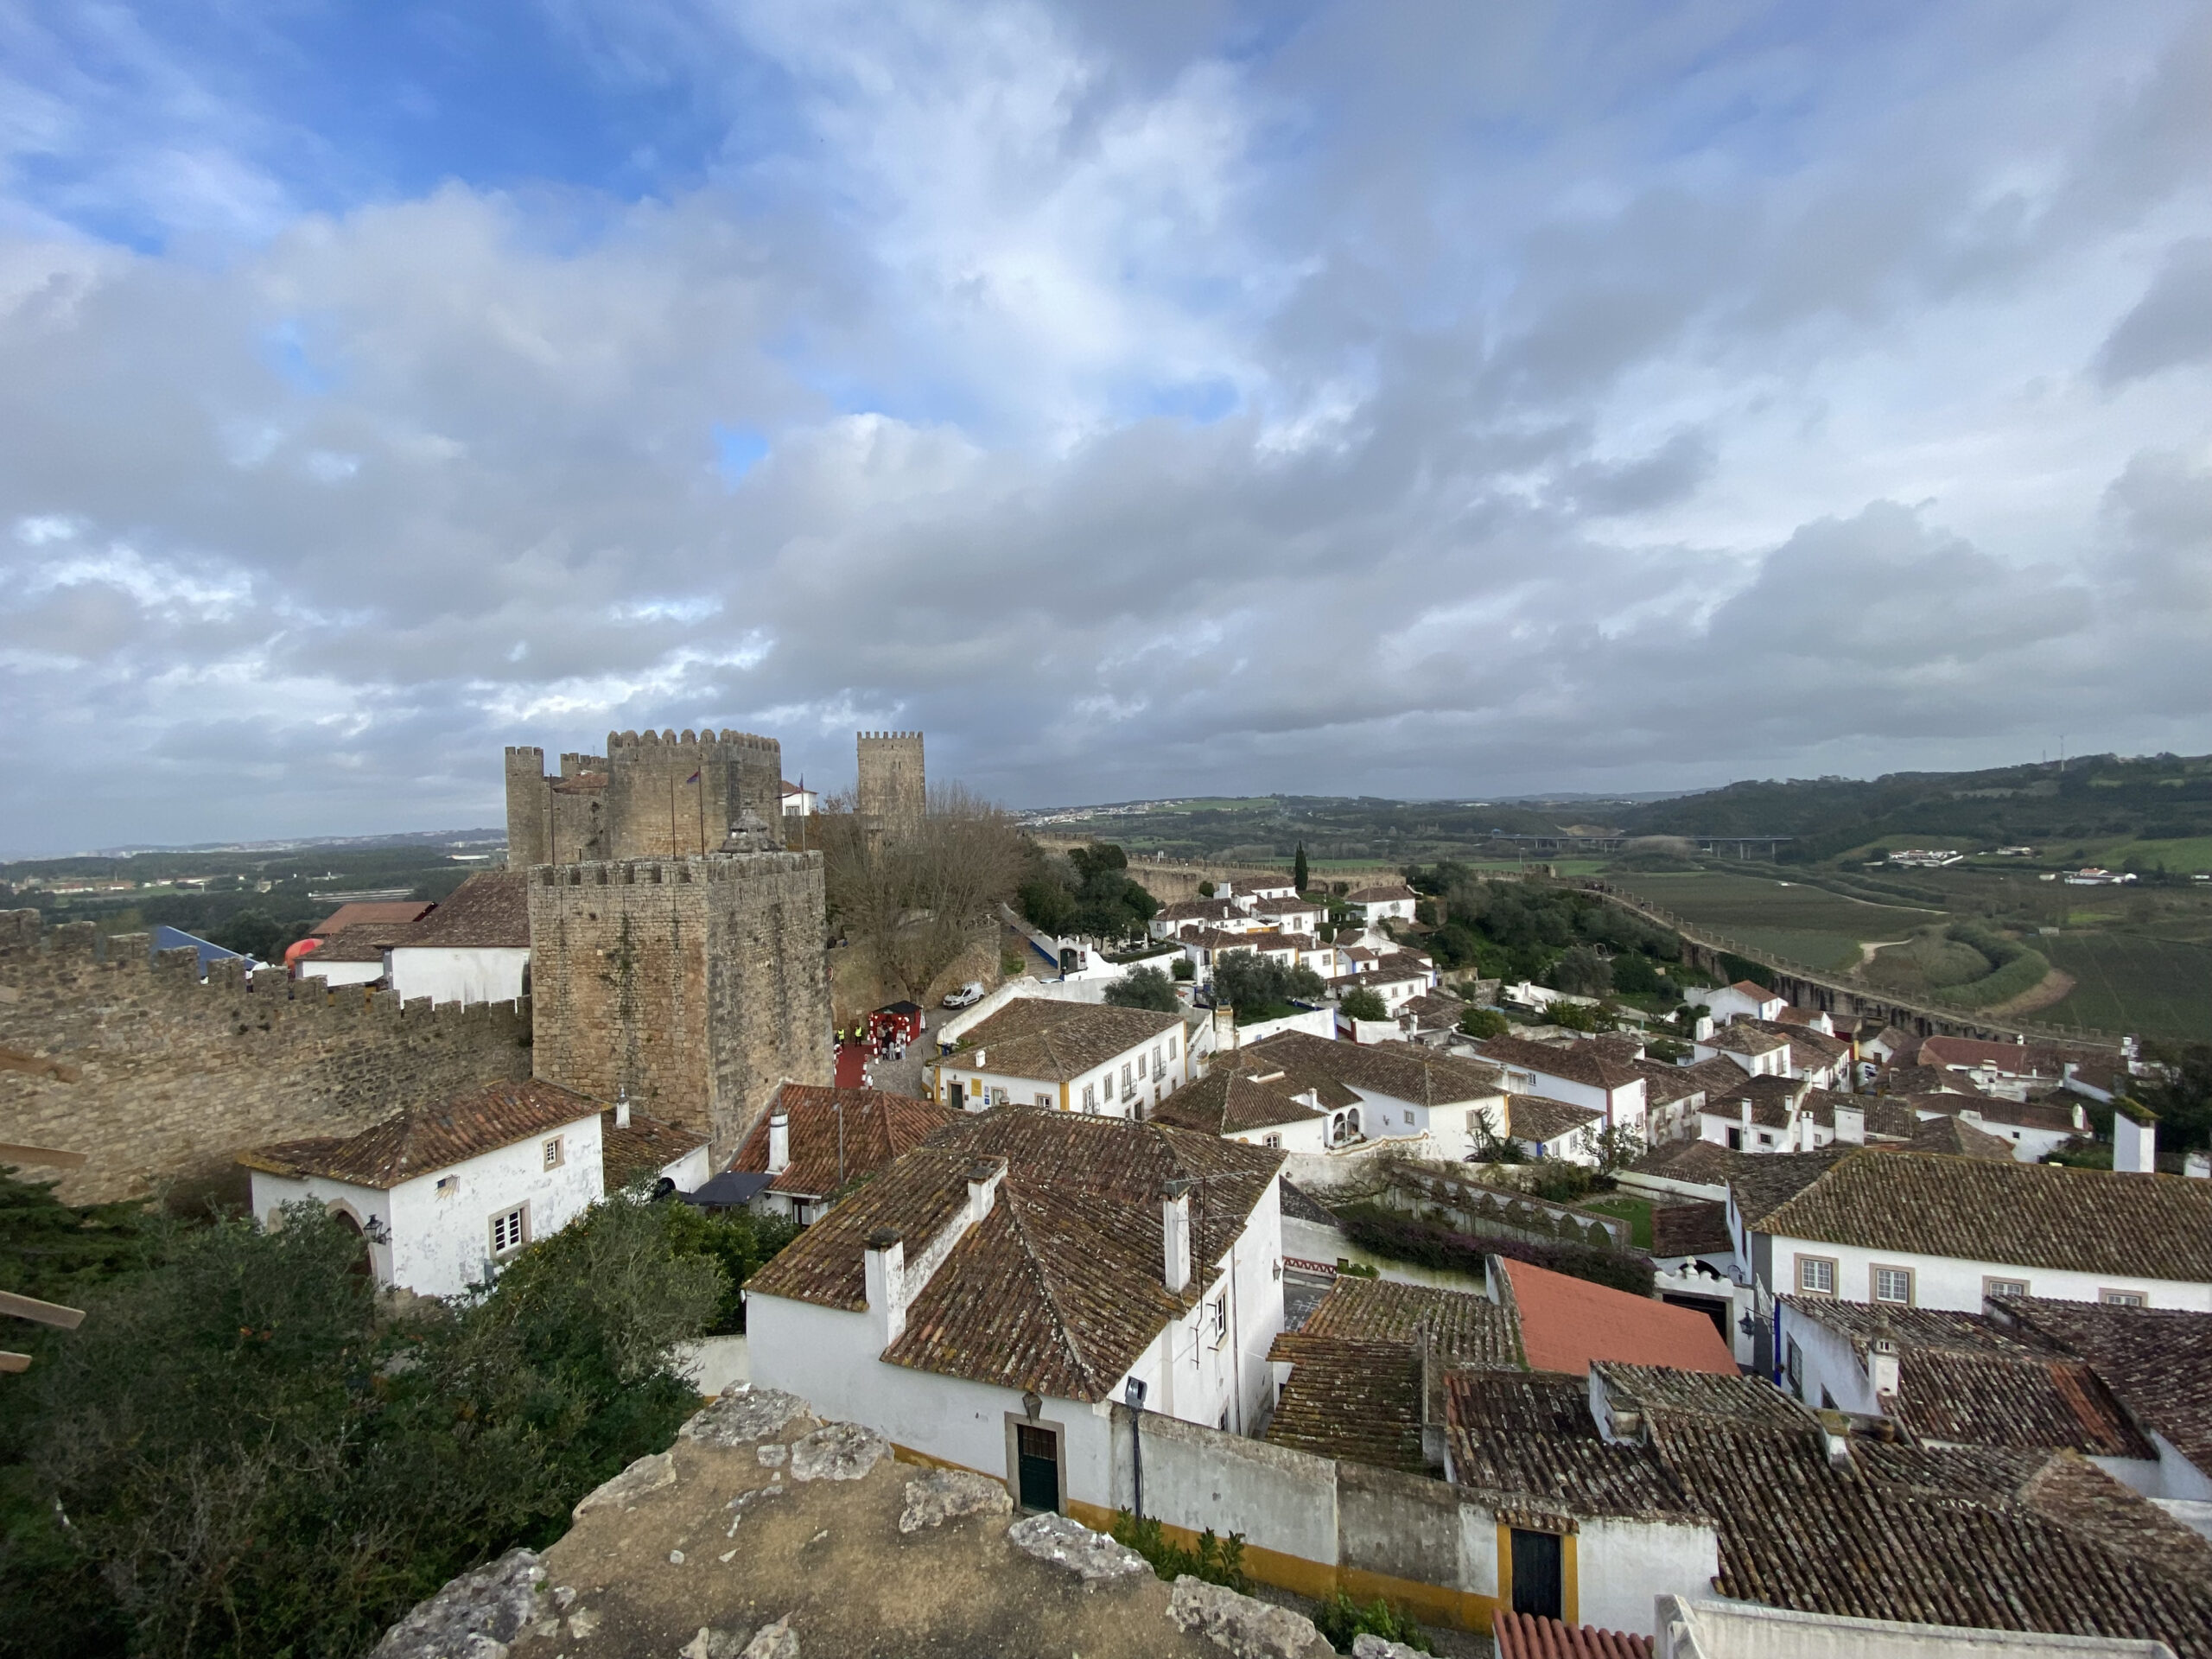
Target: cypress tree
<point>1298,871</point>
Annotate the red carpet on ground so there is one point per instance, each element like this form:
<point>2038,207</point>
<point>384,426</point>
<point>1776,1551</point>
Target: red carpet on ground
<point>851,1057</point>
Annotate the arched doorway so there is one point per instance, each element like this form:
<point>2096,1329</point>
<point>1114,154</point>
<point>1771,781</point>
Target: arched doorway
<point>352,1223</point>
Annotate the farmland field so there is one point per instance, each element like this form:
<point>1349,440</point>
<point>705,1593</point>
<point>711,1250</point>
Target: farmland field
<point>1805,924</point>
<point>2127,983</point>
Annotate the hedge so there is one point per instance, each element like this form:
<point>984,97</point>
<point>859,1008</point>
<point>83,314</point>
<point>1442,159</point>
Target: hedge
<point>1426,1244</point>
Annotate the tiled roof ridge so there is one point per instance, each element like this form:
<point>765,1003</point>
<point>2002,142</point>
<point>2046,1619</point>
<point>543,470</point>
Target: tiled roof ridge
<point>1033,1264</point>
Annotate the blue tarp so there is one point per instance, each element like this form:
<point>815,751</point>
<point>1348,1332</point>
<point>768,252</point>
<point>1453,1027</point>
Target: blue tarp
<point>175,938</point>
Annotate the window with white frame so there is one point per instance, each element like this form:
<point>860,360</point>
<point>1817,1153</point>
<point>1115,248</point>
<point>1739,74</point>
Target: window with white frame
<point>1043,1099</point>
<point>1271,1140</point>
<point>1171,1048</point>
<point>511,1230</point>
<point>2004,1288</point>
<point>1141,1072</point>
<point>2123,1299</point>
<point>1893,1284</point>
<point>555,1154</point>
<point>1129,1083</point>
<point>1089,1096</point>
<point>1816,1275</point>
<point>1219,1326</point>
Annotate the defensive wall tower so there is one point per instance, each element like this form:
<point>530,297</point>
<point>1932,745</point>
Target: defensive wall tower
<point>693,985</point>
<point>893,794</point>
<point>652,795</point>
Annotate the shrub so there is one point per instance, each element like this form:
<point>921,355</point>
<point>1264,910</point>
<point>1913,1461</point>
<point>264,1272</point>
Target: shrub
<point>1484,1022</point>
<point>1205,889</point>
<point>1245,980</point>
<point>1429,1245</point>
<point>738,1242</point>
<point>1362,1004</point>
<point>1558,1182</point>
<point>1182,970</point>
<point>1216,1561</point>
<point>1343,1621</point>
<point>1144,987</point>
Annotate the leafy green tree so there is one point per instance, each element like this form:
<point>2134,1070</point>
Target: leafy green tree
<point>738,1240</point>
<point>253,932</point>
<point>1205,889</point>
<point>1249,983</point>
<point>1582,972</point>
<point>1144,986</point>
<point>1363,1003</point>
<point>1183,970</point>
<point>1300,875</point>
<point>1484,1022</point>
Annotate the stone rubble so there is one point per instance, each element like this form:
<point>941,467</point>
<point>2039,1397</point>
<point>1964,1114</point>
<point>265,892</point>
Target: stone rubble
<point>837,1452</point>
<point>773,1456</point>
<point>1368,1645</point>
<point>743,1502</point>
<point>648,1474</point>
<point>945,1495</point>
<point>744,1416</point>
<point>1244,1625</point>
<point>1091,1555</point>
<point>776,1641</point>
<point>475,1617</point>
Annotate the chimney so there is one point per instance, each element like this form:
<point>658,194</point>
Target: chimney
<point>1882,1371</point>
<point>2134,1137</point>
<point>779,1139</point>
<point>885,1261</point>
<point>1175,1233</point>
<point>1224,1030</point>
<point>1851,1124</point>
<point>2197,1165</point>
<point>622,1109</point>
<point>983,1178</point>
<point>1835,1429</point>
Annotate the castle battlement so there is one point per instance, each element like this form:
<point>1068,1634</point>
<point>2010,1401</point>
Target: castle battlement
<point>890,737</point>
<point>708,738</point>
<point>672,872</point>
<point>663,794</point>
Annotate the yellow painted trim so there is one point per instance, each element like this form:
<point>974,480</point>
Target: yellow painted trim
<point>1506,1565</point>
<point>1063,1094</point>
<point>1570,1589</point>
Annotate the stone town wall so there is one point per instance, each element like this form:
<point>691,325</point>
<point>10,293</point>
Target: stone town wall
<point>697,986</point>
<point>161,1079</point>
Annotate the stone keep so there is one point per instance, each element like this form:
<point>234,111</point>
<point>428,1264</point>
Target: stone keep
<point>651,795</point>
<point>893,794</point>
<point>161,1078</point>
<point>696,986</point>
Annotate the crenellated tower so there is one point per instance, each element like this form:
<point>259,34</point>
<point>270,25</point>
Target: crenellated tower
<point>893,793</point>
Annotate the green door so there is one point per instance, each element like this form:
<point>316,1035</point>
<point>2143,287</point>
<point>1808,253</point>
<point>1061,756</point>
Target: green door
<point>1036,1452</point>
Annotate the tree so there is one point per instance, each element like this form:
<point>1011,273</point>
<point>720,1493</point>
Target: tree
<point>1205,889</point>
<point>253,932</point>
<point>1484,1022</point>
<point>1363,1003</point>
<point>1249,983</point>
<point>1144,986</point>
<point>1183,970</point>
<point>1582,972</point>
<point>1298,874</point>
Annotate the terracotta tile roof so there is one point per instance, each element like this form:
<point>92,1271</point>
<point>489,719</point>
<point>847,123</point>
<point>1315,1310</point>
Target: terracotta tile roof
<point>1699,1229</point>
<point>1404,1072</point>
<point>1567,1323</point>
<point>1960,1139</point>
<point>2013,1059</point>
<point>1664,1084</point>
<point>362,942</point>
<point>1053,1041</point>
<point>1930,1080</point>
<point>1526,1636</point>
<point>1298,1203</point>
<point>1379,895</point>
<point>1763,1183</point>
<point>1961,1380</point>
<point>1541,1119</point>
<point>1706,1163</point>
<point>2053,1112</point>
<point>1806,1046</point>
<point>646,1147</point>
<point>2025,1215</point>
<point>1059,1288</point>
<point>428,1139</point>
<point>1463,1329</point>
<point>1530,1437</point>
<point>1744,1037</point>
<point>2158,1362</point>
<point>1359,1400</point>
<point>1433,1009</point>
<point>1577,1063</point>
<point>1883,1116</point>
<point>877,1128</point>
<point>1714,1075</point>
<point>490,911</point>
<point>386,911</point>
<point>1198,910</point>
<point>1229,1103</point>
<point>1758,992</point>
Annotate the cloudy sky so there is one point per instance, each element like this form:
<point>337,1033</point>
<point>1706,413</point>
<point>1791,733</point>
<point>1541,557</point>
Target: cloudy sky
<point>1142,398</point>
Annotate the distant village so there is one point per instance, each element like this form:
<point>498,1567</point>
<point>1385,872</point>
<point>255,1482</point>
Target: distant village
<point>1765,1329</point>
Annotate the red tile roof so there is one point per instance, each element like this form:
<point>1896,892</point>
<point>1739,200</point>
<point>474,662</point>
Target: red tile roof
<point>878,1128</point>
<point>387,911</point>
<point>1566,1323</point>
<point>647,1147</point>
<point>490,911</point>
<point>1525,1635</point>
<point>428,1138</point>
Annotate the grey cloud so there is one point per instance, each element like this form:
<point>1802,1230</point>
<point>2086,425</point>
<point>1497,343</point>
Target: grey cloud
<point>2171,325</point>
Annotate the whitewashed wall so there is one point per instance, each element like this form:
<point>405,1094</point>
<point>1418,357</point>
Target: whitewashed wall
<point>1942,1281</point>
<point>458,976</point>
<point>334,974</point>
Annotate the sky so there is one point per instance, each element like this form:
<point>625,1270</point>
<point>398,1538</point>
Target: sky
<point>1140,399</point>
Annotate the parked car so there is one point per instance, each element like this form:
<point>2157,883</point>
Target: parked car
<point>967,996</point>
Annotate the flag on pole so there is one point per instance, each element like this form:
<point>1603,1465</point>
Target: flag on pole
<point>693,778</point>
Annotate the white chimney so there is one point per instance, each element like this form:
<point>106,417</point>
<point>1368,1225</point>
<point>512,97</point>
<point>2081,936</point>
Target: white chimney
<point>983,1178</point>
<point>2134,1137</point>
<point>1851,1124</point>
<point>886,1266</point>
<point>2197,1166</point>
<point>780,1140</point>
<point>1882,1370</point>
<point>1175,1234</point>
<point>622,1109</point>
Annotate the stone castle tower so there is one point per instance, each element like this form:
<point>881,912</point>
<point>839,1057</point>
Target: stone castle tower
<point>692,986</point>
<point>892,795</point>
<point>651,795</point>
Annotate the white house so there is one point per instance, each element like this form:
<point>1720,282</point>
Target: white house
<point>1394,901</point>
<point>1069,1057</point>
<point>353,956</point>
<point>1262,1104</point>
<point>1400,1090</point>
<point>1752,1002</point>
<point>473,948</point>
<point>1906,1229</point>
<point>1544,1127</point>
<point>799,801</point>
<point>986,1300</point>
<point>1581,1074</point>
<point>1759,1054</point>
<point>444,1194</point>
<point>1264,888</point>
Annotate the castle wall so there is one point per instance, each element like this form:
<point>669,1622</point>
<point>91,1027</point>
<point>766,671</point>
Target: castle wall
<point>158,1077</point>
<point>697,986</point>
<point>641,799</point>
<point>893,794</point>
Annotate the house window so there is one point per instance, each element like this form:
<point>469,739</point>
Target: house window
<point>555,1157</point>
<point>1220,1319</point>
<point>1089,1096</point>
<point>2123,1299</point>
<point>1274,1141</point>
<point>511,1230</point>
<point>1158,1070</point>
<point>1816,1275</point>
<point>1129,1085</point>
<point>1792,1367</point>
<point>1893,1284</point>
<point>1171,1048</point>
<point>1141,1065</point>
<point>1997,1287</point>
<point>1043,1100</point>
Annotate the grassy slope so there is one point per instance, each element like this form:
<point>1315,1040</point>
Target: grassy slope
<point>2128,982</point>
